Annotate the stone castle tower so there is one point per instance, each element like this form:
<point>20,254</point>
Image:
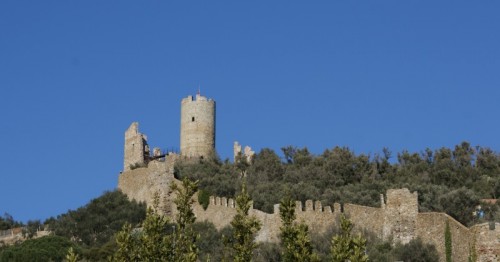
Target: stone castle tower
<point>197,126</point>
<point>136,147</point>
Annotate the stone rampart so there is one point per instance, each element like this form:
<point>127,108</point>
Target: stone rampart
<point>367,218</point>
<point>141,184</point>
<point>399,215</point>
<point>487,241</point>
<point>430,227</point>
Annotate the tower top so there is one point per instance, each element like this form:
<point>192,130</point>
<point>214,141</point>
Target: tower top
<point>197,97</point>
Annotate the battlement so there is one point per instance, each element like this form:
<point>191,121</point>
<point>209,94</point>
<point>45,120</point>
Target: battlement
<point>196,98</point>
<point>222,201</point>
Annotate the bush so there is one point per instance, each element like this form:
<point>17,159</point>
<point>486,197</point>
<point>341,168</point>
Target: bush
<point>47,248</point>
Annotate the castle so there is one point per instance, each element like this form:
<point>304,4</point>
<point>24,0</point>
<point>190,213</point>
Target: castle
<point>145,173</point>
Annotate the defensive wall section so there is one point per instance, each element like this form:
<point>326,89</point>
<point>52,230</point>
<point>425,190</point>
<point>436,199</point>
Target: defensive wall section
<point>397,218</point>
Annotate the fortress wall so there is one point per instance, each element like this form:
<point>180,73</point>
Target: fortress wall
<point>368,218</point>
<point>218,212</point>
<point>400,215</point>
<point>141,184</point>
<point>318,218</point>
<point>487,241</point>
<point>431,229</point>
<point>270,226</point>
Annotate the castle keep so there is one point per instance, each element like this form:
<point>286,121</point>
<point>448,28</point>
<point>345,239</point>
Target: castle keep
<point>197,126</point>
<point>398,217</point>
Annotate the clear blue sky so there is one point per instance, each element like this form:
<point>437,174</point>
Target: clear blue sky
<point>363,74</point>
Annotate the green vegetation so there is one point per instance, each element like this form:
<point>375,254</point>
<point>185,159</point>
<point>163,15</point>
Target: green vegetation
<point>447,180</point>
<point>447,242</point>
<point>95,224</point>
<point>8,222</point>
<point>416,251</point>
<point>48,248</point>
<point>185,249</point>
<point>295,241</point>
<point>244,228</point>
<point>152,243</point>
<point>346,247</point>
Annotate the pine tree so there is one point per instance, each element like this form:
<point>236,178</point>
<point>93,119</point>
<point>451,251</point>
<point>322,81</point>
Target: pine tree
<point>295,240</point>
<point>345,247</point>
<point>71,256</point>
<point>185,238</point>
<point>244,228</point>
<point>447,242</point>
<point>151,244</point>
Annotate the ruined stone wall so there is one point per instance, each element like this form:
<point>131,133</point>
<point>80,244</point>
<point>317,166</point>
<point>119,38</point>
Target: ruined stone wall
<point>366,218</point>
<point>142,183</point>
<point>487,241</point>
<point>400,215</point>
<point>221,211</point>
<point>136,147</point>
<point>430,227</point>
<point>248,153</point>
<point>197,126</point>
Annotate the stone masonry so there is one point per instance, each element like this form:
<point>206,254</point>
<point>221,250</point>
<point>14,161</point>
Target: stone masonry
<point>248,153</point>
<point>397,218</point>
<point>136,147</point>
<point>197,126</point>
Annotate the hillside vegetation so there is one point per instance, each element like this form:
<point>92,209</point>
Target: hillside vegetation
<point>447,180</point>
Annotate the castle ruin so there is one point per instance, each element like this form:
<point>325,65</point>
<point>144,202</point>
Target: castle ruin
<point>397,219</point>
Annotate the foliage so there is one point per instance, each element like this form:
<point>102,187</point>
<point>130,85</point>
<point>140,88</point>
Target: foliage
<point>447,242</point>
<point>47,248</point>
<point>244,228</point>
<point>210,241</point>
<point>71,256</point>
<point>416,251</point>
<point>8,222</point>
<point>295,240</point>
<point>31,228</point>
<point>203,198</point>
<point>345,247</point>
<point>154,242</point>
<point>450,180</point>
<point>150,244</point>
<point>94,224</point>
<point>185,248</point>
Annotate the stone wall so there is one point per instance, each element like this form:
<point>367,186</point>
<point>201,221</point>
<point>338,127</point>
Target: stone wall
<point>430,227</point>
<point>141,184</point>
<point>197,126</point>
<point>136,148</point>
<point>487,241</point>
<point>400,215</point>
<point>367,218</point>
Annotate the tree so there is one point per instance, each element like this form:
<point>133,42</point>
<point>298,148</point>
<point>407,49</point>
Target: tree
<point>346,247</point>
<point>447,242</point>
<point>244,228</point>
<point>185,248</point>
<point>151,244</point>
<point>295,240</point>
<point>71,256</point>
<point>416,251</point>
